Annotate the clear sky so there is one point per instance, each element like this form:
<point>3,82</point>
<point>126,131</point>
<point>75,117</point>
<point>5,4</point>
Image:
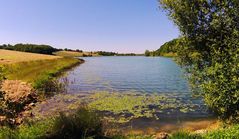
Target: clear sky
<point>108,25</point>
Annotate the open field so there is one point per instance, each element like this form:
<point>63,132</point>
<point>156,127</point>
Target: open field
<point>75,54</point>
<point>31,67</point>
<point>31,71</point>
<point>9,57</point>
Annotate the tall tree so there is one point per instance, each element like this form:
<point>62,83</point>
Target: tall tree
<point>211,48</point>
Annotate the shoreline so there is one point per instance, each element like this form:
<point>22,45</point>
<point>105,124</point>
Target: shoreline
<point>20,96</point>
<point>167,128</point>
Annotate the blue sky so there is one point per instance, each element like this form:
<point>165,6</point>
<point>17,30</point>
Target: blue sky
<point>90,25</point>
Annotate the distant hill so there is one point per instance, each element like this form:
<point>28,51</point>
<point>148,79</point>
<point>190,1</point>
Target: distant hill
<point>168,49</point>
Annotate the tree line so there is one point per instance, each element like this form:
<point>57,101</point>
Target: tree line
<point>33,48</point>
<point>104,53</point>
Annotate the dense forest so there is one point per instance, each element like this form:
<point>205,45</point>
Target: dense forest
<point>168,49</point>
<point>33,48</point>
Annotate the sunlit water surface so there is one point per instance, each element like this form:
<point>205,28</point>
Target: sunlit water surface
<point>140,74</point>
<point>144,75</point>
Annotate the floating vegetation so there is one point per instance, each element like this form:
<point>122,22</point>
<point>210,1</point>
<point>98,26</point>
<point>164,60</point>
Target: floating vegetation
<point>123,107</point>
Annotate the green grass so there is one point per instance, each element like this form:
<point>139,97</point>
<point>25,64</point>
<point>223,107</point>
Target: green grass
<point>39,72</point>
<point>34,70</point>
<point>231,132</point>
<point>228,132</point>
<point>28,131</point>
<point>184,135</point>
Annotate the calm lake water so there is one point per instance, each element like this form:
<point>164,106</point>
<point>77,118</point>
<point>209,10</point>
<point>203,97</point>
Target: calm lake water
<point>136,74</point>
<point>140,74</point>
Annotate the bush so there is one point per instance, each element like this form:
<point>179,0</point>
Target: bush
<point>81,124</point>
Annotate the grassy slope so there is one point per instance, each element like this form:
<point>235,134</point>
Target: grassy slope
<point>9,57</point>
<point>74,54</point>
<point>31,67</point>
<point>33,70</point>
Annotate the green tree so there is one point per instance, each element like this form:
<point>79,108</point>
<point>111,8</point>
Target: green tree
<point>211,48</point>
<point>147,53</point>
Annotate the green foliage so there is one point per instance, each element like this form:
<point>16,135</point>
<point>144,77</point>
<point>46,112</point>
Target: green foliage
<point>103,53</point>
<point>231,132</point>
<point>210,51</point>
<point>127,54</point>
<point>41,72</point>
<point>81,124</point>
<point>33,130</point>
<point>33,48</point>
<point>147,53</point>
<point>169,49</point>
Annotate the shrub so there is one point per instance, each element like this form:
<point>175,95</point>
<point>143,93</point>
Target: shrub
<point>81,124</point>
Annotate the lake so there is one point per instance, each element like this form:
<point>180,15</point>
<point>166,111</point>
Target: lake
<point>140,74</point>
<point>137,91</point>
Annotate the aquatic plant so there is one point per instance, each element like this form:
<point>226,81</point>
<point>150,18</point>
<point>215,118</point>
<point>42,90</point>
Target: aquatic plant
<point>123,107</point>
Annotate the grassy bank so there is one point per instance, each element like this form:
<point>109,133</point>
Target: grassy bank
<point>34,68</point>
<point>38,72</point>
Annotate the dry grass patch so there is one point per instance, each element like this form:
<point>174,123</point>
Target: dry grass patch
<point>9,57</point>
<point>15,89</point>
<point>75,54</point>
